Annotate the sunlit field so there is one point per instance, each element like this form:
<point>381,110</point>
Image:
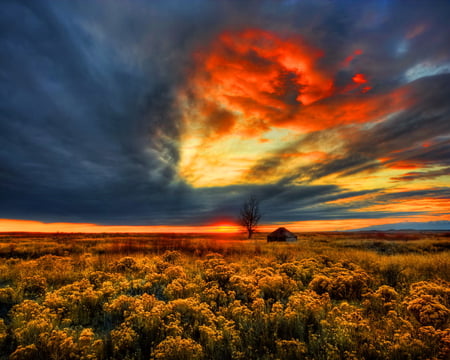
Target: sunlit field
<point>373,295</point>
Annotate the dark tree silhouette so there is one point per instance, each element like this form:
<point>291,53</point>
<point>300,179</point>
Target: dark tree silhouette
<point>249,215</point>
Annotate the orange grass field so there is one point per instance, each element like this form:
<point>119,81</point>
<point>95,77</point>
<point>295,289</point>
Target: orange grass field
<point>355,295</point>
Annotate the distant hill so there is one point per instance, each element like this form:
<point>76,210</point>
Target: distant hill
<point>431,225</point>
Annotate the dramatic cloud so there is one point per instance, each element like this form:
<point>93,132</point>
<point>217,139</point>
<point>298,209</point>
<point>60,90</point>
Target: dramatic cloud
<point>172,112</point>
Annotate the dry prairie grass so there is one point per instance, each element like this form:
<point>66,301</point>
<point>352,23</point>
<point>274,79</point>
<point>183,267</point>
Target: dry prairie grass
<point>127,296</point>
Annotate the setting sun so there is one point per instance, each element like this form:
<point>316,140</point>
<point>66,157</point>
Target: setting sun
<point>226,228</point>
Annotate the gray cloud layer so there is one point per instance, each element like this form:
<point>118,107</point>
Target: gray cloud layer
<point>89,127</point>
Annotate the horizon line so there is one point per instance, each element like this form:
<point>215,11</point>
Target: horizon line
<point>20,225</point>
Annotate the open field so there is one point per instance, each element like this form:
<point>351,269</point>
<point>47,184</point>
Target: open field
<point>362,295</point>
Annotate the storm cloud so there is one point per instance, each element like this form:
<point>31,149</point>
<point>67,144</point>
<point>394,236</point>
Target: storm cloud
<point>91,120</point>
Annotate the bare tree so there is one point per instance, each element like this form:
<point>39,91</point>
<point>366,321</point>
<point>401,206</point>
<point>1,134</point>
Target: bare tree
<point>249,215</point>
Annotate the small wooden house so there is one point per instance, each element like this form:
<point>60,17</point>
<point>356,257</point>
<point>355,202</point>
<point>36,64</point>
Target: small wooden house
<point>281,234</point>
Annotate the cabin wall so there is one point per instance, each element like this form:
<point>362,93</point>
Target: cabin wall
<point>281,239</point>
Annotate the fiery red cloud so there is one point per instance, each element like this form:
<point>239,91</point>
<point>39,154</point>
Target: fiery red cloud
<point>350,109</point>
<point>265,65</point>
<point>359,78</point>
<point>250,81</point>
<point>249,92</point>
<point>350,58</point>
<point>255,79</point>
<point>405,164</point>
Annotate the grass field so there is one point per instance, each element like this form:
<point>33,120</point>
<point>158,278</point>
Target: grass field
<point>373,295</point>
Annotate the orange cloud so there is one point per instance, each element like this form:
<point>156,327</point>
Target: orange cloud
<point>258,77</point>
<point>399,165</point>
<point>403,165</point>
<point>250,81</point>
<point>350,58</point>
<point>256,62</point>
<point>359,78</point>
<point>251,86</point>
<point>430,206</point>
<point>313,155</point>
<point>349,109</point>
<point>220,120</point>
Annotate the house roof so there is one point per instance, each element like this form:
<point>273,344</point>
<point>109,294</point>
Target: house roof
<point>280,232</point>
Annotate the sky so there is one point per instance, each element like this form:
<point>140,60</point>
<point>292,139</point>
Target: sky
<point>133,115</point>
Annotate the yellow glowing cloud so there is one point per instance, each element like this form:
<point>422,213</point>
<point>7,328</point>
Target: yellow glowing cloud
<point>426,205</point>
<point>251,94</point>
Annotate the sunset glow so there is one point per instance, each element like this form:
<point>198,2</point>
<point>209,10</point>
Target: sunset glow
<point>36,226</point>
<point>224,179</point>
<point>333,115</point>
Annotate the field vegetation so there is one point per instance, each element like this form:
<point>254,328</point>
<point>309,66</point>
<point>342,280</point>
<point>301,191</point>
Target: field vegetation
<point>330,296</point>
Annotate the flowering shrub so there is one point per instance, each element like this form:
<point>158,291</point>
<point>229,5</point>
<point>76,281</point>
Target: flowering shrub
<point>276,287</point>
<point>304,312</point>
<point>439,340</point>
<point>34,287</point>
<point>59,344</point>
<point>126,264</point>
<point>121,307</point>
<point>79,302</point>
<point>271,305</point>
<point>171,256</point>
<point>293,271</point>
<point>50,262</point>
<point>381,301</point>
<point>215,297</point>
<point>347,330</point>
<point>29,321</point>
<point>177,348</point>
<point>8,298</point>
<point>190,312</point>
<point>440,290</point>
<point>3,333</point>
<point>57,270</point>
<point>25,353</point>
<point>427,303</point>
<point>259,273</point>
<point>341,282</point>
<point>97,278</point>
<point>180,288</point>
<point>291,349</point>
<point>216,269</point>
<point>174,272</point>
<point>125,342</point>
<point>244,287</point>
<point>428,311</point>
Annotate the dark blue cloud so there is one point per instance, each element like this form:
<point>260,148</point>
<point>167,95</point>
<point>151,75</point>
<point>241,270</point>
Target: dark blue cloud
<point>89,123</point>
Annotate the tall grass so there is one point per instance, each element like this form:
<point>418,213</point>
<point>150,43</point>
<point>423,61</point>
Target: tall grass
<point>153,296</point>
